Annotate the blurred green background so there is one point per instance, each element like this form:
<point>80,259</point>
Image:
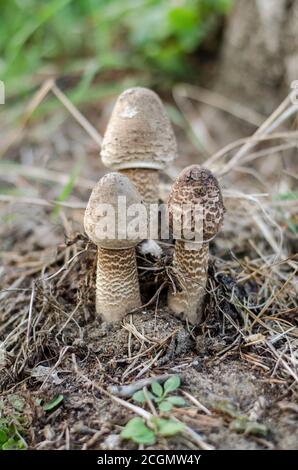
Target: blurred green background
<point>85,39</point>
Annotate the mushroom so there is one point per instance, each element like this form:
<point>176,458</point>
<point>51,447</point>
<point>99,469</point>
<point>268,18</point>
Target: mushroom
<point>139,140</point>
<point>195,198</point>
<point>117,284</point>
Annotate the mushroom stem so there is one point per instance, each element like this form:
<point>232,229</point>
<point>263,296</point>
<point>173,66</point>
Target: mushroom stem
<point>190,263</point>
<point>146,181</point>
<point>117,284</point>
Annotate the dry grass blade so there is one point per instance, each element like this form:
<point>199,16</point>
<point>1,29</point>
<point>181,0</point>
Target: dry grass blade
<point>130,389</point>
<point>43,174</point>
<point>93,133</point>
<point>40,202</point>
<point>284,363</point>
<point>195,122</point>
<point>213,164</point>
<point>211,98</point>
<point>196,402</point>
<point>280,115</point>
<point>37,99</point>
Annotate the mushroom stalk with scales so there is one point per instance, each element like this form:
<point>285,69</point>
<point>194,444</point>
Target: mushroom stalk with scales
<point>117,284</point>
<point>146,180</point>
<point>139,140</point>
<point>195,187</point>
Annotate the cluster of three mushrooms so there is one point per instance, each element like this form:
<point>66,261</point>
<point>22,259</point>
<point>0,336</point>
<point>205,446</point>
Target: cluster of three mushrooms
<point>139,141</point>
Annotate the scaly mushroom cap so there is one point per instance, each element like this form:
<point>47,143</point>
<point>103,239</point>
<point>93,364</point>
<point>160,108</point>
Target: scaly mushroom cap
<point>139,133</point>
<point>197,186</point>
<point>103,203</point>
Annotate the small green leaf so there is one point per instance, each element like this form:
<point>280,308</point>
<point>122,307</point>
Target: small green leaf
<point>226,407</point>
<point>165,406</point>
<point>177,401</point>
<point>168,427</point>
<point>3,436</point>
<point>20,445</point>
<point>242,425</point>
<point>146,438</point>
<point>139,397</point>
<point>13,443</point>
<point>9,444</point>
<point>256,429</point>
<point>134,426</point>
<point>53,403</point>
<point>172,384</point>
<point>238,425</point>
<point>157,389</point>
<point>137,431</point>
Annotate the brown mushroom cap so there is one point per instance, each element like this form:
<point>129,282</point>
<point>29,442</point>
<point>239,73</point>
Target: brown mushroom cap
<point>139,133</point>
<point>107,191</point>
<point>197,185</point>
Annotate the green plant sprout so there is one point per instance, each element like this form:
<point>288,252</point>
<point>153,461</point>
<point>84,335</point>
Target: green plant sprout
<point>10,437</point>
<point>141,432</point>
<point>137,430</point>
<point>240,423</point>
<point>54,403</point>
<point>160,394</point>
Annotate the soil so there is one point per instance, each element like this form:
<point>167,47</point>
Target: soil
<point>86,418</point>
<point>72,358</point>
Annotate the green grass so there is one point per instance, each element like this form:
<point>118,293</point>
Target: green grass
<point>82,38</point>
<point>288,196</point>
<point>68,188</point>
